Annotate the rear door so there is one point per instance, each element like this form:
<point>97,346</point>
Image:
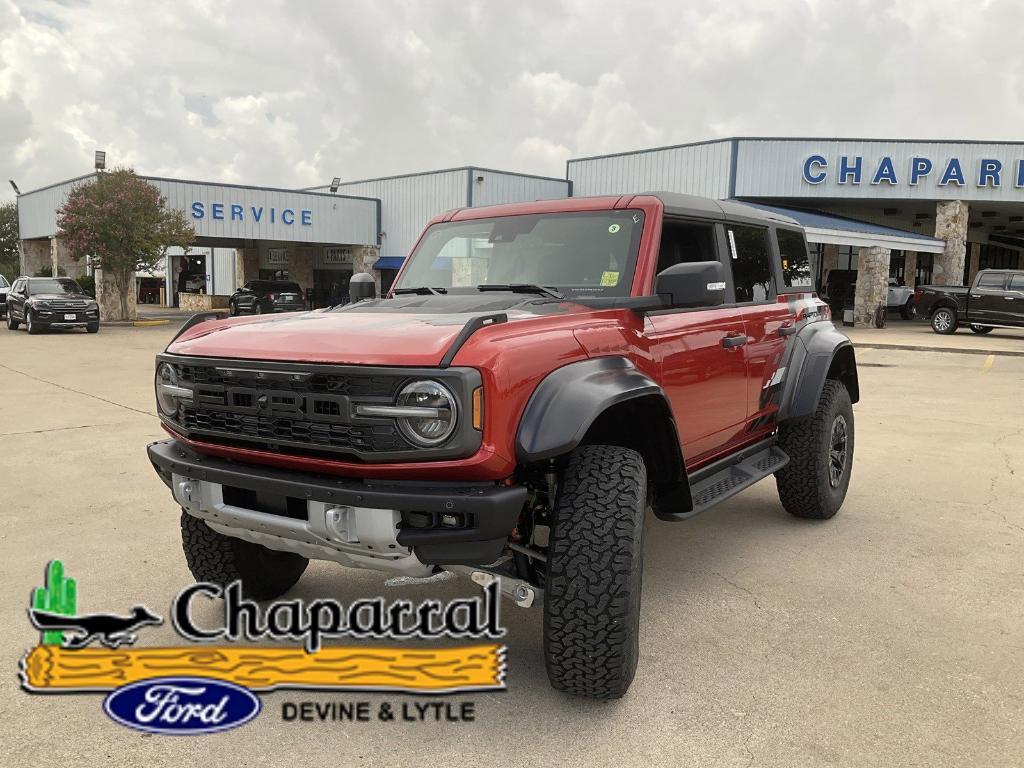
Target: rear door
<point>702,366</point>
<point>1013,301</point>
<point>985,303</point>
<point>754,276</point>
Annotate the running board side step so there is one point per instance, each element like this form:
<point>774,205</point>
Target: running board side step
<point>718,483</point>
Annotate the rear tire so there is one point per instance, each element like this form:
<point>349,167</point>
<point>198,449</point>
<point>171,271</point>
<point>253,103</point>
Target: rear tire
<point>981,329</point>
<point>214,557</point>
<point>594,573</point>
<point>944,321</point>
<point>820,447</point>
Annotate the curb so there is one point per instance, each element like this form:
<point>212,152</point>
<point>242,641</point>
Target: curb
<point>954,350</point>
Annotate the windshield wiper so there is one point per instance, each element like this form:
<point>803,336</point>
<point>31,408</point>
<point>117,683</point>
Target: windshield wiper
<point>540,290</point>
<point>421,290</point>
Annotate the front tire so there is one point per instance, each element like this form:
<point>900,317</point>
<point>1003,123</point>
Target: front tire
<point>214,557</point>
<point>232,309</point>
<point>820,448</point>
<point>908,311</point>
<point>594,573</point>
<point>981,329</point>
<point>93,328</point>
<point>944,320</point>
<point>31,325</point>
<point>12,324</point>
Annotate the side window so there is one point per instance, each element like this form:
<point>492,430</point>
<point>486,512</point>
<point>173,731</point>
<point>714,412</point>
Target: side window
<point>685,242</point>
<point>992,280</point>
<point>750,257</point>
<point>1017,283</point>
<point>796,266</point>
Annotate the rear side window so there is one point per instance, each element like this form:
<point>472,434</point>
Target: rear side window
<point>796,266</point>
<point>750,258</point>
<point>1017,283</point>
<point>991,281</point>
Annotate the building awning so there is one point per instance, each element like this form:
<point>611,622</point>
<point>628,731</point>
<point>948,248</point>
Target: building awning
<point>389,262</point>
<point>839,230</point>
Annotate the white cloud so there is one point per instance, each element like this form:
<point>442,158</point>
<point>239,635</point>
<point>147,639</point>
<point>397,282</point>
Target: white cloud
<point>291,94</point>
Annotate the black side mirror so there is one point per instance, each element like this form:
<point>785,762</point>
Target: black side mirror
<point>694,284</point>
<point>361,286</point>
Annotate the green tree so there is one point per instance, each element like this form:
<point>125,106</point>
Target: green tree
<point>123,225</point>
<point>9,255</point>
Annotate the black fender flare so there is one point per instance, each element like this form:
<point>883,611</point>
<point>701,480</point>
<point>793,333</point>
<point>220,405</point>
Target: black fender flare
<point>569,399</point>
<point>818,350</point>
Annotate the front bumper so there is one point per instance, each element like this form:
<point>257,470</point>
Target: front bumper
<point>444,523</point>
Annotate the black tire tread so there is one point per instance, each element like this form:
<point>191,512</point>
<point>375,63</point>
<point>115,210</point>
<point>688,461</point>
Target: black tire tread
<point>803,483</point>
<point>594,576</point>
<point>220,559</point>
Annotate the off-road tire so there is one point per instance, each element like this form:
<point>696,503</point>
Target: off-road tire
<point>908,311</point>
<point>805,486</point>
<point>594,573</point>
<point>214,557</point>
<point>981,329</point>
<point>12,324</point>
<point>948,326</point>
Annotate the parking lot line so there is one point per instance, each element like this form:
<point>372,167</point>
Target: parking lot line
<point>987,365</point>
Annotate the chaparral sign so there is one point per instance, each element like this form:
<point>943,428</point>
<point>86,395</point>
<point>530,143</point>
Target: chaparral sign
<point>856,169</point>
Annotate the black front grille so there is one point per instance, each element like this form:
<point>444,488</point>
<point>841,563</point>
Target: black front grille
<point>65,304</point>
<point>288,409</point>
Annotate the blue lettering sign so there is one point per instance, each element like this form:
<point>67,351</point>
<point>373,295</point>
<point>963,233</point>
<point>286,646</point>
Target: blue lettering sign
<point>919,168</point>
<point>257,213</point>
<point>846,170</point>
<point>307,217</point>
<point>886,172</point>
<point>1020,173</point>
<point>218,210</point>
<point>812,176</point>
<point>197,210</point>
<point>990,170</point>
<point>236,213</point>
<point>288,216</point>
<point>953,174</point>
<point>272,215</point>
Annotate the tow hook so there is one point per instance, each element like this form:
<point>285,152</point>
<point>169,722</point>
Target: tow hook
<point>520,592</point>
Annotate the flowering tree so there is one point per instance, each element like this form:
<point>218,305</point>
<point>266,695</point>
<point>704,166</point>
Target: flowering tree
<point>123,225</point>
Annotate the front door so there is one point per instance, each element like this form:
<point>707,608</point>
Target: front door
<point>986,299</point>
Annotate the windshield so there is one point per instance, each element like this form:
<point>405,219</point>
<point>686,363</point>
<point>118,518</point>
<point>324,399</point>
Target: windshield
<point>53,285</point>
<point>582,254</point>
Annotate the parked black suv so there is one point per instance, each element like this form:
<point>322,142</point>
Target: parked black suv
<point>42,303</point>
<point>263,296</point>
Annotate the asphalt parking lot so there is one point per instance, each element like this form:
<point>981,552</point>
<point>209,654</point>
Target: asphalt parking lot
<point>891,635</point>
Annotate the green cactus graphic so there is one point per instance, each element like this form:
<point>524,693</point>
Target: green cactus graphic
<point>58,596</point>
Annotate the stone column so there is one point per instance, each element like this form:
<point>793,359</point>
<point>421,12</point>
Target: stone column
<point>910,268</point>
<point>35,256</point>
<point>950,225</point>
<point>247,265</point>
<point>109,300</point>
<point>363,259</point>
<point>872,285</point>
<point>62,261</point>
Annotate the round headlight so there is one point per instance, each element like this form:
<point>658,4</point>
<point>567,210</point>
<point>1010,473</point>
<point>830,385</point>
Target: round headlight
<point>440,413</point>
<point>166,378</point>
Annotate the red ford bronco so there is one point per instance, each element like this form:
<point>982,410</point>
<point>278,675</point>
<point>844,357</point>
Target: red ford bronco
<point>538,377</point>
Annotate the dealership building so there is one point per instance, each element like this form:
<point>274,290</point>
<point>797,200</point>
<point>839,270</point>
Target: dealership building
<point>914,211</point>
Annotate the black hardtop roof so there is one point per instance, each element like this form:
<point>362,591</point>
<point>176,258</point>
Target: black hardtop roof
<point>678,204</point>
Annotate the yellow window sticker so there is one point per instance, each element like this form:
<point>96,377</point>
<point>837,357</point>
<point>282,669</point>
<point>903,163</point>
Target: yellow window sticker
<point>610,279</point>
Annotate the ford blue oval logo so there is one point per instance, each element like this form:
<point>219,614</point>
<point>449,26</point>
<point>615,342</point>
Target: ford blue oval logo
<point>182,705</point>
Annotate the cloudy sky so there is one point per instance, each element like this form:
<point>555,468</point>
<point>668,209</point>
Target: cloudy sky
<point>291,94</point>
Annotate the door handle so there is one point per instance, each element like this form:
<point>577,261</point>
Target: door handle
<point>787,330</point>
<point>734,340</point>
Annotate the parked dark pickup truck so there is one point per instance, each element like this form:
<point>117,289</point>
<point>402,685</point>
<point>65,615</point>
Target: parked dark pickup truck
<point>995,300</point>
